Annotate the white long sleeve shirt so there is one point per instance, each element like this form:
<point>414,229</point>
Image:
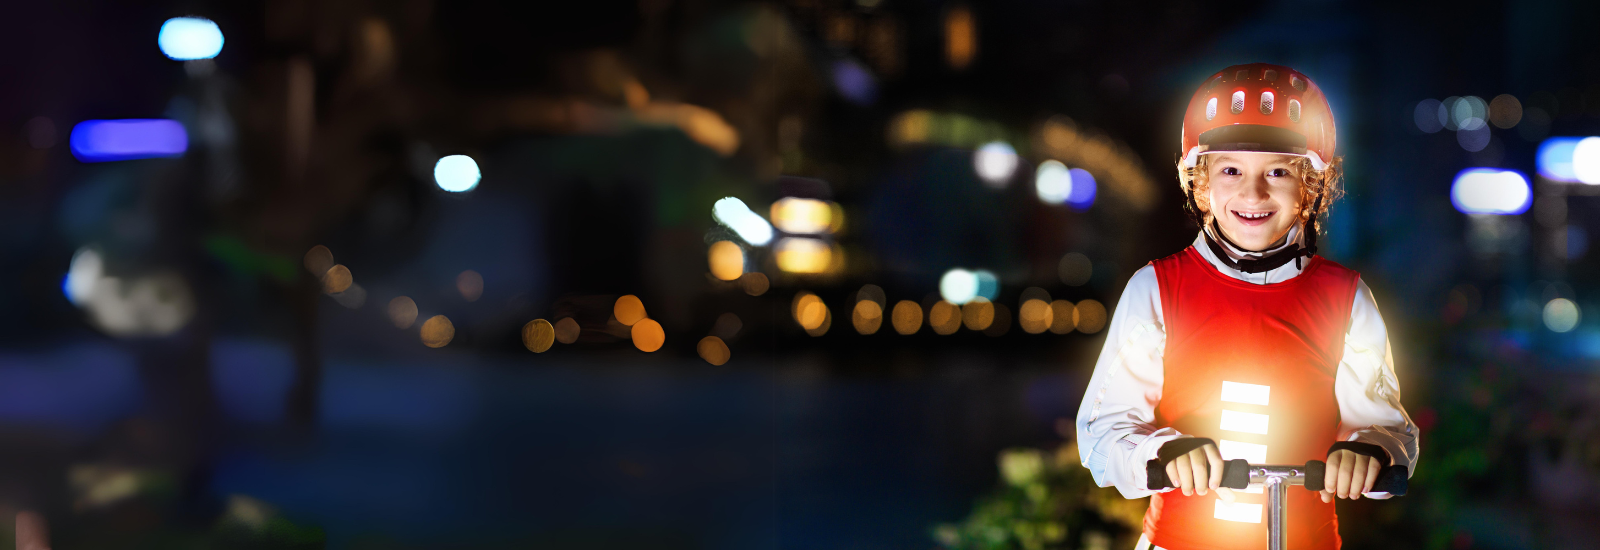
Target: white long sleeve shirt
<point>1116,430</point>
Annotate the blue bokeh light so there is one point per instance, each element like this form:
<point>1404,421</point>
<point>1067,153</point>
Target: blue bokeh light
<point>107,140</point>
<point>190,38</point>
<point>1083,191</point>
<point>1491,191</point>
<point>1555,158</point>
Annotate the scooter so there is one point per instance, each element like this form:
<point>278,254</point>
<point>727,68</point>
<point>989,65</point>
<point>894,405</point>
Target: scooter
<point>1276,479</point>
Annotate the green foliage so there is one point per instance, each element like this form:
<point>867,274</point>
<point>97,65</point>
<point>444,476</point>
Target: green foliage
<point>1046,500</point>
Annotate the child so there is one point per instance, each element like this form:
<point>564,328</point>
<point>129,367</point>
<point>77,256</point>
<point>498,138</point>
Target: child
<point>1247,337</point>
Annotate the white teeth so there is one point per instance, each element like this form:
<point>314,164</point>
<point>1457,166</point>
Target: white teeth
<point>1253,216</point>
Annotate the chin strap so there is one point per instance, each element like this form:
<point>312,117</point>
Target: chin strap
<point>1270,261</point>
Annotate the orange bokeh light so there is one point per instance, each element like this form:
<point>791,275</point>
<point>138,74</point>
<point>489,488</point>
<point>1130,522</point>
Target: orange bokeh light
<point>726,260</point>
<point>628,310</point>
<point>437,331</point>
<point>907,317</point>
<point>713,350</point>
<point>538,335</point>
<point>647,335</point>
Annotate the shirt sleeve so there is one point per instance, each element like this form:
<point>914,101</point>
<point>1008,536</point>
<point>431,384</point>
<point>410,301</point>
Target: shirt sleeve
<point>1116,432</point>
<point>1367,389</point>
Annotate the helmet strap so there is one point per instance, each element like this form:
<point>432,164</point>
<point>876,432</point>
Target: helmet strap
<point>1311,230</point>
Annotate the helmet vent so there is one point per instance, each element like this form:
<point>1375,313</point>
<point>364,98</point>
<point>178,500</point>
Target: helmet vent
<point>1266,103</point>
<point>1242,74</point>
<point>1294,110</point>
<point>1211,109</point>
<point>1297,82</point>
<point>1238,102</point>
<point>1213,82</point>
<point>1270,75</point>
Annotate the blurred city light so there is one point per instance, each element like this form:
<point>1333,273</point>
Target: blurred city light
<point>1490,191</point>
<point>402,312</point>
<point>907,317</point>
<point>726,259</point>
<point>318,260</point>
<point>960,37</point>
<point>1035,316</point>
<point>727,326</point>
<point>1083,190</point>
<point>1427,116</point>
<point>108,140</point>
<point>1473,139</point>
<point>803,255</point>
<point>958,286</point>
<point>1505,111</point>
<point>567,330</point>
<point>977,314</point>
<point>1555,158</point>
<point>190,38</point>
<point>755,283</point>
<point>648,335</point>
<point>995,162</point>
<point>82,275</point>
<point>1561,315</point>
<point>734,214</point>
<point>437,331</point>
<point>944,318</point>
<point>988,284</point>
<point>628,309</point>
<point>867,317</point>
<point>353,297</point>
<point>538,335</point>
<point>1053,182</point>
<point>470,284</point>
<point>1586,160</point>
<point>337,279</point>
<point>1063,317</point>
<point>808,310</point>
<point>456,173</point>
<point>1089,316</point>
<point>797,215</point>
<point>713,350</point>
<point>854,82</point>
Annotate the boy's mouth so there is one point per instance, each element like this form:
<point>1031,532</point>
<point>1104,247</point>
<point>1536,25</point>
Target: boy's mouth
<point>1252,218</point>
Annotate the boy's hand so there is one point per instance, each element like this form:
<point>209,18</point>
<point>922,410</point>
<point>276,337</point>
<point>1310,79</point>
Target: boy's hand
<point>1197,470</point>
<point>1349,474</point>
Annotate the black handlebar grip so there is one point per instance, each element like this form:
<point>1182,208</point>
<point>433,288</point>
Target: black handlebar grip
<point>1316,474</point>
<point>1155,469</point>
<point>1393,480</point>
<point>1236,474</point>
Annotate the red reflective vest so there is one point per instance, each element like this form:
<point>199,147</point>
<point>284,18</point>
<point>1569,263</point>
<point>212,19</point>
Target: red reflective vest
<point>1252,367</point>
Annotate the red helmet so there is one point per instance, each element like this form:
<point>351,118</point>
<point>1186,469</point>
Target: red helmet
<point>1259,107</point>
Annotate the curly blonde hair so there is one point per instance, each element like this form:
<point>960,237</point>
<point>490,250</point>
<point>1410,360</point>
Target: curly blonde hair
<point>1313,181</point>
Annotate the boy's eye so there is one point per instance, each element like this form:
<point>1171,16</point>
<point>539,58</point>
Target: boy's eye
<point>1230,171</point>
<point>1279,173</point>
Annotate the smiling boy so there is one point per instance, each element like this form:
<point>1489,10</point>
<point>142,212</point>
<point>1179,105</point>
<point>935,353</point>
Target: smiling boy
<point>1247,337</point>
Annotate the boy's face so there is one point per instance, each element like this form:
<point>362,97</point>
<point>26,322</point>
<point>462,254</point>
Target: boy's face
<point>1255,197</point>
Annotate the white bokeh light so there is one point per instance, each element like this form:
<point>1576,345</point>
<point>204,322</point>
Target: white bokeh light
<point>456,173</point>
<point>736,215</point>
<point>1490,191</point>
<point>190,38</point>
<point>958,286</point>
<point>1561,315</point>
<point>1053,182</point>
<point>1586,160</point>
<point>995,162</point>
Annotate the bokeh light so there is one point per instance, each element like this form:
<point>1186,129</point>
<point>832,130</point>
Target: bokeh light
<point>995,162</point>
<point>867,317</point>
<point>727,326</point>
<point>944,318</point>
<point>648,336</point>
<point>988,284</point>
<point>1083,190</point>
<point>907,317</point>
<point>808,310</point>
<point>960,37</point>
<point>190,38</point>
<point>797,215</point>
<point>736,215</point>
<point>958,286</point>
<point>1473,139</point>
<point>803,255</point>
<point>726,259</point>
<point>1089,316</point>
<point>470,284</point>
<point>1034,316</point>
<point>110,140</point>
<point>83,274</point>
<point>337,279</point>
<point>1063,317</point>
<point>755,283</point>
<point>353,297</point>
<point>538,335</point>
<point>1586,160</point>
<point>874,293</point>
<point>713,350</point>
<point>1490,191</point>
<point>826,318</point>
<point>628,310</point>
<point>1505,111</point>
<point>1074,269</point>
<point>402,312</point>
<point>1426,116</point>
<point>456,173</point>
<point>1053,182</point>
<point>437,331</point>
<point>567,330</point>
<point>1555,158</point>
<point>1561,315</point>
<point>977,314</point>
<point>854,82</point>
<point>318,260</point>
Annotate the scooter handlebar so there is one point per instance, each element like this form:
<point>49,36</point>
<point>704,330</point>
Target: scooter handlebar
<point>1237,473</point>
